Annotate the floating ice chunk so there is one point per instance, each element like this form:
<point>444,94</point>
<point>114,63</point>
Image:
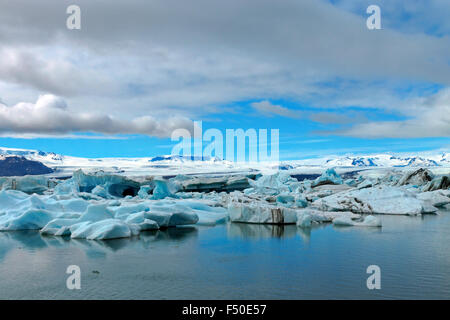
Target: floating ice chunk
<point>173,219</point>
<point>328,177</point>
<point>67,187</point>
<point>163,189</point>
<point>59,226</point>
<point>74,205</point>
<point>144,191</point>
<point>136,218</point>
<point>126,208</point>
<point>28,184</point>
<point>437,198</point>
<point>303,220</point>
<point>369,221</point>
<point>286,199</point>
<point>20,211</point>
<point>31,219</point>
<point>343,221</point>
<point>442,182</point>
<point>417,177</point>
<point>96,212</point>
<point>166,213</point>
<point>11,198</point>
<point>100,191</point>
<point>325,191</point>
<point>324,216</point>
<point>148,224</point>
<point>114,185</point>
<point>61,214</point>
<point>259,212</point>
<point>300,201</point>
<point>375,200</point>
<point>274,184</point>
<point>207,211</point>
<point>208,184</point>
<point>105,229</point>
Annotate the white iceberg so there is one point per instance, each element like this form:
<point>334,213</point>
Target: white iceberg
<point>304,220</point>
<point>104,229</point>
<point>328,177</point>
<point>442,182</point>
<point>417,177</point>
<point>375,200</point>
<point>305,217</point>
<point>274,184</point>
<point>258,212</point>
<point>369,221</point>
<point>437,198</point>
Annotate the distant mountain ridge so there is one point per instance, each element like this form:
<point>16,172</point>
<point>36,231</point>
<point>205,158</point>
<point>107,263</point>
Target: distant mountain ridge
<point>175,163</point>
<point>20,166</point>
<point>387,160</point>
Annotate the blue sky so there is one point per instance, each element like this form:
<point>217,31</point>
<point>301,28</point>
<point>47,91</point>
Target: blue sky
<point>311,69</point>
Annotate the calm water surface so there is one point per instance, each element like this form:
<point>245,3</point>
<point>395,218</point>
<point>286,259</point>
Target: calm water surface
<point>236,261</point>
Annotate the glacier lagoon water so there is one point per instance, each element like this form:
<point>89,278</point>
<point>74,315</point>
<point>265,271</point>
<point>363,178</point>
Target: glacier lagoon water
<point>236,261</point>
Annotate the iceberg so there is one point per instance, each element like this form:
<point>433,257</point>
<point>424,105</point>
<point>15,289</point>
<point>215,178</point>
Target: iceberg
<point>31,219</point>
<point>278,183</point>
<point>442,182</point>
<point>100,218</point>
<point>369,221</point>
<point>103,230</point>
<point>305,217</point>
<point>148,224</point>
<point>144,191</point>
<point>304,220</point>
<point>27,184</point>
<point>208,184</point>
<point>328,177</point>
<point>115,186</point>
<point>163,189</point>
<point>417,177</point>
<point>261,213</point>
<point>437,198</point>
<point>375,200</point>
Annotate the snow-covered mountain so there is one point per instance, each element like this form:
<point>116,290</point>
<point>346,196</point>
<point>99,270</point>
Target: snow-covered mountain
<point>173,165</point>
<point>383,160</point>
<point>31,154</point>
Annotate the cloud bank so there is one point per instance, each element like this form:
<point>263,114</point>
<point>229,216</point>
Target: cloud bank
<point>189,59</point>
<point>427,117</point>
<point>50,116</point>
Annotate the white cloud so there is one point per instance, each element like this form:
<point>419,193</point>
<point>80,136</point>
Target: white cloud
<point>59,75</point>
<point>427,117</point>
<point>266,107</point>
<point>51,116</point>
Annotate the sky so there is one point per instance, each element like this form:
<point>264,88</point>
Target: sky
<point>137,70</point>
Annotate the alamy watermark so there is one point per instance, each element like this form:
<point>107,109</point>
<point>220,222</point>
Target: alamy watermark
<point>73,282</point>
<point>237,145</point>
<point>74,19</point>
<point>374,280</point>
<point>374,20</point>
